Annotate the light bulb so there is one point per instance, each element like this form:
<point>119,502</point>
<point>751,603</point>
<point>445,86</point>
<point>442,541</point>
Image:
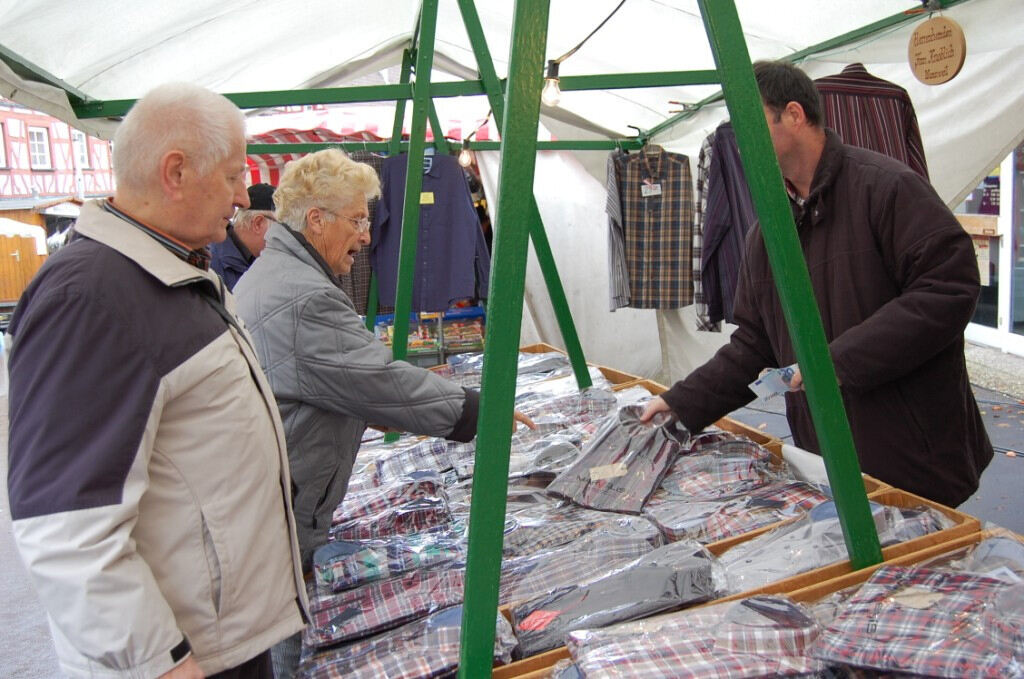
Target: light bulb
<point>551,94</point>
<point>465,156</point>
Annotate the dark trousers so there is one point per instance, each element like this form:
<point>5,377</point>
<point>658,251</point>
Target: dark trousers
<point>259,667</point>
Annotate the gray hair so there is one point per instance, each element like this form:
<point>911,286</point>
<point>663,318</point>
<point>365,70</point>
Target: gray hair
<point>181,116</point>
<point>244,218</point>
<point>319,179</point>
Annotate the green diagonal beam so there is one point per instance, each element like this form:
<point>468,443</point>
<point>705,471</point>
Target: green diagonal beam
<point>440,143</point>
<point>407,248</point>
<point>505,312</point>
<point>541,245</point>
<point>792,280</point>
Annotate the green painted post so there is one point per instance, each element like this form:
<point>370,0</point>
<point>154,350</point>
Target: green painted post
<point>792,281</point>
<point>505,310</point>
<point>414,178</point>
<point>541,245</point>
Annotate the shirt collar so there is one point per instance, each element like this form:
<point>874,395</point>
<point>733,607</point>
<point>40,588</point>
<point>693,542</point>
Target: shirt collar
<point>240,246</point>
<point>199,258</point>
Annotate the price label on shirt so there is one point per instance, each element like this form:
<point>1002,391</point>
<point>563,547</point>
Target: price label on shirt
<point>648,190</point>
<point>916,597</point>
<point>608,471</point>
<point>426,198</point>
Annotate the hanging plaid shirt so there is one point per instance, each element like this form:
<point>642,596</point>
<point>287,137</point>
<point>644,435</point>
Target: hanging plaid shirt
<point>382,605</point>
<point>411,517</point>
<point>930,622</point>
<point>657,222</point>
<point>703,162</point>
<point>623,465</point>
<point>373,500</point>
<point>344,564</point>
<point>423,648</point>
<point>764,636</point>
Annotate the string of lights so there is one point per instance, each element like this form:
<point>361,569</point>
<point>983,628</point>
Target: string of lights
<point>552,93</point>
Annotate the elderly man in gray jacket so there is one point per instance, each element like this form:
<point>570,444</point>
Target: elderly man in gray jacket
<point>330,375</point>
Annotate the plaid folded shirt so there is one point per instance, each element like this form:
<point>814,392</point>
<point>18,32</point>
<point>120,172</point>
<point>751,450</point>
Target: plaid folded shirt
<point>434,454</point>
<point>666,578</point>
<point>428,647</point>
<point>767,505</point>
<point>412,517</point>
<point>930,622</point>
<point>344,564</point>
<point>720,467</point>
<point>816,540</point>
<point>763,636</point>
<point>418,484</point>
<point>545,527</point>
<point>592,556</point>
<point>623,464</point>
<point>383,605</point>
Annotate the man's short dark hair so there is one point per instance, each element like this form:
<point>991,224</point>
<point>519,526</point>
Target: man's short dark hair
<point>781,82</point>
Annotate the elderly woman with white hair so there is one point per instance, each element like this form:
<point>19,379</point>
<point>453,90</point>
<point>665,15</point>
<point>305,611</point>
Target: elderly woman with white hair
<point>329,374</point>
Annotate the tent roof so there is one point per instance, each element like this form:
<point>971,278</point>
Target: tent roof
<point>120,48</point>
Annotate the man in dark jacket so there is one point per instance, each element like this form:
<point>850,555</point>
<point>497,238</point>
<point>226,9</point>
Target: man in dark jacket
<point>247,234</point>
<point>896,281</point>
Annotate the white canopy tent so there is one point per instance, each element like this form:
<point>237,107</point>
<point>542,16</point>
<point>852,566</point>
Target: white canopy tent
<point>121,48</point>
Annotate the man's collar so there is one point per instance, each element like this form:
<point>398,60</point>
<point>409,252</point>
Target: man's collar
<point>199,258</point>
<point>244,251</point>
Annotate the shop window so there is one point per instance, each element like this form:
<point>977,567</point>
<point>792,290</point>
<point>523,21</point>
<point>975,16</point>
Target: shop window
<point>39,148</point>
<point>81,144</point>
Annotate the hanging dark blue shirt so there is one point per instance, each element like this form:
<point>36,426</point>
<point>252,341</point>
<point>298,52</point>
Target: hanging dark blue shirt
<point>452,261</point>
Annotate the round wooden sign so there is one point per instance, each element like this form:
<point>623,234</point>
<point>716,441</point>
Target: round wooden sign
<point>937,50</point>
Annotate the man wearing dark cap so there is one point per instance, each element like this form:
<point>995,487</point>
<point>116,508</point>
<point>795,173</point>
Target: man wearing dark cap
<point>233,256</point>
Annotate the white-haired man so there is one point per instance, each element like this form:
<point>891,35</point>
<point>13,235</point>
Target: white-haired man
<point>148,477</point>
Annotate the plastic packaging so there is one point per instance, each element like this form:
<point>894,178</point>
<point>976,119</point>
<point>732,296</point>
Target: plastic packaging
<point>929,622</point>
<point>424,648</point>
<point>623,464</point>
<point>666,578</point>
<point>411,517</point>
<point>344,564</point>
<point>762,636</point>
<point>376,499</point>
<point>816,540</point>
<point>592,556</point>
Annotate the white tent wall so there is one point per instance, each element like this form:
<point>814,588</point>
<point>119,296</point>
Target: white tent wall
<point>571,204</point>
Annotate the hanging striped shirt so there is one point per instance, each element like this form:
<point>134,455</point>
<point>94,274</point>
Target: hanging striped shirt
<point>872,113</point>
